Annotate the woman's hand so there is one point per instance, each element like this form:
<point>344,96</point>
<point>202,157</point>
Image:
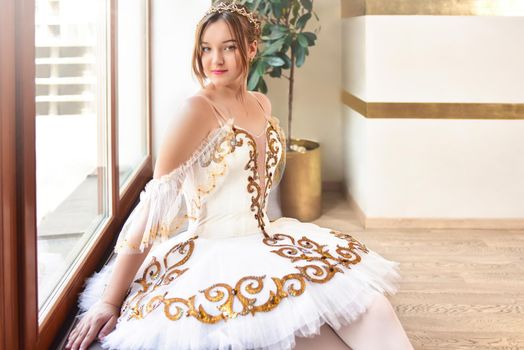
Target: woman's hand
<point>99,320</point>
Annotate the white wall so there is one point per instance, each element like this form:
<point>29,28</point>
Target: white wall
<point>428,168</point>
<point>173,29</point>
<point>445,59</point>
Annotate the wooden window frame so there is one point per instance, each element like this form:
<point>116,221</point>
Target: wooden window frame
<point>20,327</point>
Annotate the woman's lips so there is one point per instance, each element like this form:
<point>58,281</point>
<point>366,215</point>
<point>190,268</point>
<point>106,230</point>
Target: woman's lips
<point>218,72</point>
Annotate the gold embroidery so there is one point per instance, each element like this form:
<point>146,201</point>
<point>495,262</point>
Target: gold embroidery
<point>226,146</point>
<point>246,288</point>
<point>253,185</point>
<point>151,278</point>
<point>222,148</point>
<point>291,284</point>
<point>353,243</point>
<point>162,229</point>
<point>271,161</point>
<point>278,171</point>
<point>205,190</point>
<point>324,264</point>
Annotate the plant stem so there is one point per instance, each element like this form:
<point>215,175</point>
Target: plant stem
<point>290,99</point>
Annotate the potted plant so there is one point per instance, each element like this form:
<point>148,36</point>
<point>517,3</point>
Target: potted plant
<point>283,46</point>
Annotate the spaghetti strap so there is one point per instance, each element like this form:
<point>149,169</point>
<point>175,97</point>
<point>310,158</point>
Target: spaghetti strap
<point>260,104</point>
<point>219,115</point>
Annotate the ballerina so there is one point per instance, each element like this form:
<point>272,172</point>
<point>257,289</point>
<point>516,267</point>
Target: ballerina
<point>222,275</point>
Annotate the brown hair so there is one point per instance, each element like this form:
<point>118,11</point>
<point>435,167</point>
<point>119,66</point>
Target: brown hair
<point>243,32</point>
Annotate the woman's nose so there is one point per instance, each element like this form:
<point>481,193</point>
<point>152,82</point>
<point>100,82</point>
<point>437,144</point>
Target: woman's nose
<point>218,57</point>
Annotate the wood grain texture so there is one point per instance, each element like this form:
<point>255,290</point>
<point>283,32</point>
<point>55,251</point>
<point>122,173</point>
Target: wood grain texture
<point>460,288</point>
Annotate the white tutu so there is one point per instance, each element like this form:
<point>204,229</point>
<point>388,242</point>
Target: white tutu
<point>233,279</point>
<point>337,301</point>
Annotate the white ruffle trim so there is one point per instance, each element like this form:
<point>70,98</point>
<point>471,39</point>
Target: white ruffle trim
<point>337,302</point>
<point>161,201</point>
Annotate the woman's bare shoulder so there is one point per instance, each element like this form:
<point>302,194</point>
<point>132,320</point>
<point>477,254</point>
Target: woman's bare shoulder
<point>196,105</point>
<point>186,132</point>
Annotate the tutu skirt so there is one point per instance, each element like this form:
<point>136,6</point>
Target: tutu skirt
<point>246,292</point>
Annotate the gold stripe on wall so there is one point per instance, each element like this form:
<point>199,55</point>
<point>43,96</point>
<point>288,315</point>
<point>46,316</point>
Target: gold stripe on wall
<point>432,110</point>
<point>352,8</point>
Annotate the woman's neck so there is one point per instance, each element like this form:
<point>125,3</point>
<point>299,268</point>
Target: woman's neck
<point>228,93</point>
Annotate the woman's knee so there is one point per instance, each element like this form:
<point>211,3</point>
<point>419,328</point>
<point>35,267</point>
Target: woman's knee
<point>381,308</point>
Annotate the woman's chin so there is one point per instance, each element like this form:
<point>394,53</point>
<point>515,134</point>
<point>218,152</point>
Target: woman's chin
<point>222,82</point>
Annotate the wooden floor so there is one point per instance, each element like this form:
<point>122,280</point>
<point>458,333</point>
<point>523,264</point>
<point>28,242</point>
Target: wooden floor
<point>460,289</point>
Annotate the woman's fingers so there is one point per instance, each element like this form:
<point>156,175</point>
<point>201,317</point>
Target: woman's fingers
<point>108,327</point>
<point>100,321</point>
<point>80,336</point>
<point>72,335</point>
<point>89,337</point>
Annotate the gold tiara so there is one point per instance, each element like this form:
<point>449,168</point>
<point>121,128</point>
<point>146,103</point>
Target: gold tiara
<point>232,7</point>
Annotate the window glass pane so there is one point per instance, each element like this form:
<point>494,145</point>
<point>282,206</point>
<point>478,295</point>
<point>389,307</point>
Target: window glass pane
<point>71,135</point>
<point>132,86</point>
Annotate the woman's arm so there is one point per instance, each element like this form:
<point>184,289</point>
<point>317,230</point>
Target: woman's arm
<point>184,135</point>
<point>186,132</point>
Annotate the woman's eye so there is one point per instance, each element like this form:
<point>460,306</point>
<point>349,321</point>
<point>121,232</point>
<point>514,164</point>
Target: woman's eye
<point>232,47</point>
<point>205,49</point>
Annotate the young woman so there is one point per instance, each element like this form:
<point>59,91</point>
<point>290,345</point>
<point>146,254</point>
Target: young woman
<point>231,279</point>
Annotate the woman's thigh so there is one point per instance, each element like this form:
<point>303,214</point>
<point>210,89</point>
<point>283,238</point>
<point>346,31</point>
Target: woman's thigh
<point>327,339</point>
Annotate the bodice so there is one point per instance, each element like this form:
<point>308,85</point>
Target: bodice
<point>236,178</point>
<point>225,185</point>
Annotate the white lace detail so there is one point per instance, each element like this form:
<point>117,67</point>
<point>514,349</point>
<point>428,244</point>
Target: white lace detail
<point>161,201</point>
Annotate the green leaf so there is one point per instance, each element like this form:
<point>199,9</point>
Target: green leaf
<point>286,59</point>
<point>274,61</point>
<point>266,29</point>
<point>261,67</point>
<point>261,5</point>
<point>276,72</point>
<point>262,86</point>
<point>253,80</point>
<point>308,4</point>
<point>282,28</point>
<point>287,44</point>
<point>300,54</point>
<point>285,48</point>
<point>273,47</point>
<point>277,10</point>
<point>303,20</point>
<point>295,8</point>
<point>302,40</point>
<point>276,34</point>
<point>311,37</point>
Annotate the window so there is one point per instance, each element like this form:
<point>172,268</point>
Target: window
<point>75,151</point>
<point>72,145</point>
<point>132,85</point>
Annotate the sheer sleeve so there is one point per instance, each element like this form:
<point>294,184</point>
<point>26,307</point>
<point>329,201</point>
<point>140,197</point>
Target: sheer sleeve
<point>157,216</point>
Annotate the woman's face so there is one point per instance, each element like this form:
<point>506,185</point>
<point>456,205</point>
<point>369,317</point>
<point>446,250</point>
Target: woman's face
<point>221,54</point>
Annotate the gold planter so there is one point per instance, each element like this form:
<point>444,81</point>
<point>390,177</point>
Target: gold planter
<point>301,184</point>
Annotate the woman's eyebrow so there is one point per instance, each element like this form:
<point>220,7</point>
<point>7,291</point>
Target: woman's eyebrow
<point>223,42</point>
